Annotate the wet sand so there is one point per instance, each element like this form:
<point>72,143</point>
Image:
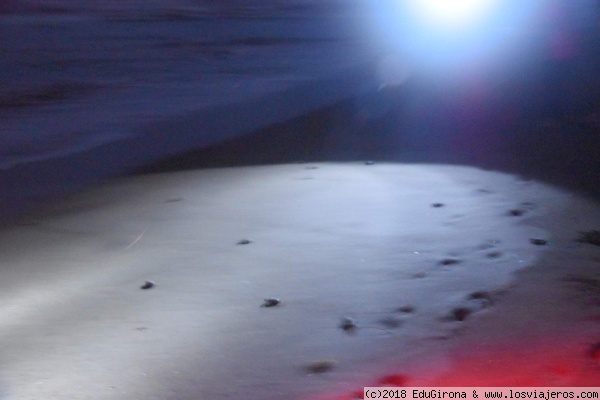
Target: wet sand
<point>449,275</point>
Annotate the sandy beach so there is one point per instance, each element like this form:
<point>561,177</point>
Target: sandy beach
<point>294,200</point>
<point>447,275</point>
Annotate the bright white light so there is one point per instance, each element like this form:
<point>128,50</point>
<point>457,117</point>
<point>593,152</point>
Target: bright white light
<point>451,13</point>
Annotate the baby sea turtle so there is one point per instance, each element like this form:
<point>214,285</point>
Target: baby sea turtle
<point>271,302</point>
<point>538,242</point>
<point>460,313</point>
<point>348,324</point>
<point>147,285</point>
<point>390,322</point>
<point>406,309</point>
<point>450,261</point>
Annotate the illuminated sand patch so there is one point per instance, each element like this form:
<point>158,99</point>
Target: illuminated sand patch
<point>339,241</point>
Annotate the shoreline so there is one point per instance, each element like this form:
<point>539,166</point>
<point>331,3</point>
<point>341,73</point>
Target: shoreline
<point>433,289</point>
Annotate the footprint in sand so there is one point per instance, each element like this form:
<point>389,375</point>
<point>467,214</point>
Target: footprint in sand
<point>475,302</point>
<point>489,245</point>
<point>494,254</point>
<point>522,209</point>
<point>482,297</point>
<point>391,322</point>
<point>320,366</point>
<point>395,321</point>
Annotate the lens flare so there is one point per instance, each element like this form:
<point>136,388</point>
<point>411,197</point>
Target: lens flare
<point>451,13</point>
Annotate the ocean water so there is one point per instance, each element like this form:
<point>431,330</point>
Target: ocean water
<point>90,90</point>
<point>93,89</point>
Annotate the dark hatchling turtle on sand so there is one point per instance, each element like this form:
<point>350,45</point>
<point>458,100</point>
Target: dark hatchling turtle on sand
<point>348,324</point>
<point>538,242</point>
<point>148,285</point>
<point>271,302</point>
